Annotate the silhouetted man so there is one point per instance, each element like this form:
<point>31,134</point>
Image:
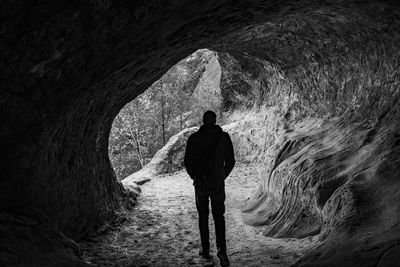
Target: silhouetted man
<point>209,159</point>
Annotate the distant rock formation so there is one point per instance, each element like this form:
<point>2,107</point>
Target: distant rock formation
<point>168,159</point>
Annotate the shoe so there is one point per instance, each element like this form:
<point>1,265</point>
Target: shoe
<point>205,253</point>
<point>223,258</point>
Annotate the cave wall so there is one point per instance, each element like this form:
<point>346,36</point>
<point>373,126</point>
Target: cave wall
<point>68,67</point>
<point>323,127</point>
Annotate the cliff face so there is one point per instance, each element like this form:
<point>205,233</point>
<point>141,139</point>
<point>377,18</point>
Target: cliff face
<point>68,67</point>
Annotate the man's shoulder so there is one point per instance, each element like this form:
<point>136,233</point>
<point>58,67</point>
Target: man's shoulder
<point>226,134</point>
<point>193,135</point>
<point>227,139</point>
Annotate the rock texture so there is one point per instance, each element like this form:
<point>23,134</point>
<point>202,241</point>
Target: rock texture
<point>67,67</point>
<point>329,163</point>
<point>35,243</point>
<point>168,159</point>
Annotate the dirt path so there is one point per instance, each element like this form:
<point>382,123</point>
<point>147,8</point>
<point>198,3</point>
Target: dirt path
<point>163,229</point>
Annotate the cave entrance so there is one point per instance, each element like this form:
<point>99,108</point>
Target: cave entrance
<point>173,103</point>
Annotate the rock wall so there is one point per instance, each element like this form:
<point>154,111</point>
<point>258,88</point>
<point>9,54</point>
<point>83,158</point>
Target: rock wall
<point>324,156</point>
<point>319,178</point>
<point>67,68</point>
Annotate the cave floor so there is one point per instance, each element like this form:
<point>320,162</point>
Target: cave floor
<point>162,230</point>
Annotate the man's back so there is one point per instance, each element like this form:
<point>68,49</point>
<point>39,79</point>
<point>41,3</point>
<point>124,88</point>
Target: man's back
<point>212,142</point>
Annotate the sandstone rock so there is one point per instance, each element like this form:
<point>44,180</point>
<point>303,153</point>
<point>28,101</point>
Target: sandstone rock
<point>29,250</point>
<point>168,159</point>
<point>134,187</point>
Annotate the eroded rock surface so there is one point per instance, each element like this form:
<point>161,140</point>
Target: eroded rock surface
<point>68,67</point>
<point>167,160</point>
<point>324,176</point>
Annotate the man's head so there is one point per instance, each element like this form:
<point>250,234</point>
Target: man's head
<point>209,117</point>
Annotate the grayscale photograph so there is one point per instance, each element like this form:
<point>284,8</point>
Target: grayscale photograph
<point>176,133</point>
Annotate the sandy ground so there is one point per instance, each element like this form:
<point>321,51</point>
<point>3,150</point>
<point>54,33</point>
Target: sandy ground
<point>163,229</point>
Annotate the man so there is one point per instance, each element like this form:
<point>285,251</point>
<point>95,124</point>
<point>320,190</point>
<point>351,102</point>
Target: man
<point>209,159</point>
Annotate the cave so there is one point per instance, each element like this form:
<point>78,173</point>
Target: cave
<point>321,79</point>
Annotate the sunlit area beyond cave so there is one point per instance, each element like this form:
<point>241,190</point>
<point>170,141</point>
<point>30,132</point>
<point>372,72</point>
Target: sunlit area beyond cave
<point>172,104</point>
<point>104,126</point>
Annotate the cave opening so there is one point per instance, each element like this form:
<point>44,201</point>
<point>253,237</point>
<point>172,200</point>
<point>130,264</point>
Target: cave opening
<point>170,105</point>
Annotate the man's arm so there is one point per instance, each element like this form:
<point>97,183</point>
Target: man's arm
<point>229,156</point>
<point>188,159</point>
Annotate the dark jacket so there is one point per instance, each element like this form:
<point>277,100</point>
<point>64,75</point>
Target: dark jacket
<point>223,159</point>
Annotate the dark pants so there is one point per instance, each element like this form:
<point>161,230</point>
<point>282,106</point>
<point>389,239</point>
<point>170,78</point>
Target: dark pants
<point>217,196</point>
